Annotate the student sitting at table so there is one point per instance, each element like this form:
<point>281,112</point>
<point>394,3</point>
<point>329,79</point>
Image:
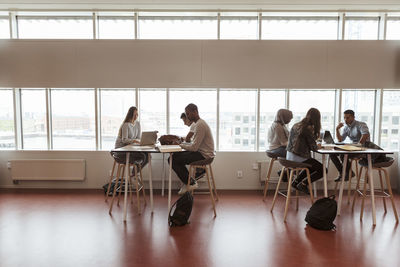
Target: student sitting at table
<point>130,133</point>
<point>201,147</point>
<point>278,133</point>
<point>190,124</point>
<point>302,140</point>
<point>357,131</point>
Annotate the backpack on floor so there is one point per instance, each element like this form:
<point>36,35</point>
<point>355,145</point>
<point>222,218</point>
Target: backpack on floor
<point>180,211</point>
<point>322,214</point>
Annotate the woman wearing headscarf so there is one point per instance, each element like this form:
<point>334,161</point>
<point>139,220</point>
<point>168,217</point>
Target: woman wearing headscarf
<point>278,133</point>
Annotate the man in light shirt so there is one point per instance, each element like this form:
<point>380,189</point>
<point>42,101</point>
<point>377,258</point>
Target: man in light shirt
<point>201,147</point>
<point>190,124</point>
<point>357,131</point>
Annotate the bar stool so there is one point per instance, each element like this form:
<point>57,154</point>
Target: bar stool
<point>380,167</point>
<point>273,157</point>
<point>136,165</point>
<point>355,161</point>
<point>292,166</point>
<point>205,165</point>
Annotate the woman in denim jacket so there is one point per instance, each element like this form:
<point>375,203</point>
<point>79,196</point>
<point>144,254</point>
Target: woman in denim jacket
<point>302,140</point>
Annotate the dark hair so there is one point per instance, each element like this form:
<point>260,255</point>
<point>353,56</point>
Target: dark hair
<point>313,118</point>
<point>183,115</point>
<point>192,107</point>
<point>129,115</point>
<point>349,111</point>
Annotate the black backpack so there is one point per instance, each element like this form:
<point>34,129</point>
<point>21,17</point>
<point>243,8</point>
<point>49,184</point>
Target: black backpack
<point>322,214</point>
<point>180,211</point>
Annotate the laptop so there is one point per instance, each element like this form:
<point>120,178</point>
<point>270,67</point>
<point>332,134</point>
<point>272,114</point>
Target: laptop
<point>329,139</point>
<point>148,138</point>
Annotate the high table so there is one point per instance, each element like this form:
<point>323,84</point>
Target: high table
<point>366,151</point>
<point>148,150</point>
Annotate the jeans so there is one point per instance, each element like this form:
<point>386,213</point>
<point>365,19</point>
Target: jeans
<point>181,159</point>
<point>280,151</point>
<point>316,171</point>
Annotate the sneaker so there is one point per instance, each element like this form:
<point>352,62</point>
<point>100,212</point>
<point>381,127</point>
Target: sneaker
<point>303,188</point>
<point>192,187</point>
<point>200,174</point>
<point>339,178</point>
<point>183,190</point>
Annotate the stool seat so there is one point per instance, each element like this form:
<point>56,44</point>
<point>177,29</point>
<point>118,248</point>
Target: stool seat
<point>293,164</point>
<point>272,155</point>
<point>387,163</point>
<point>202,162</point>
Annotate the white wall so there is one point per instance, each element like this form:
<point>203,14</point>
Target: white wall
<point>99,164</point>
<point>195,64</point>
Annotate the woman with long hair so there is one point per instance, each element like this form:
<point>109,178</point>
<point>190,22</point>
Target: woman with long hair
<point>129,133</point>
<point>302,140</point>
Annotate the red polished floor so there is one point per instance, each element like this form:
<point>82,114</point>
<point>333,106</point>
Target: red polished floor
<point>73,228</point>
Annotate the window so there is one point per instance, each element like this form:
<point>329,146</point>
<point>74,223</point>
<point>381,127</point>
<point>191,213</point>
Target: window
<point>204,99</point>
<point>245,119</point>
<point>390,109</point>
<point>270,102</point>
<point>245,130</point>
<point>239,26</point>
<point>237,131</point>
<point>116,27</point>
<point>237,141</point>
<point>362,102</point>
<point>152,110</point>
<point>68,26</point>
<point>114,106</point>
<point>237,118</point>
<point>7,137</point>
<point>182,25</point>
<point>361,28</point>
<point>395,131</point>
<point>73,119</point>
<point>253,131</point>
<point>245,142</point>
<point>253,118</point>
<point>384,132</point>
<point>385,118</point>
<point>34,126</point>
<point>234,103</point>
<point>393,28</point>
<point>300,26</point>
<point>4,28</point>
<point>302,100</point>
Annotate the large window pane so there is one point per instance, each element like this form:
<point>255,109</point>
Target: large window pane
<point>206,101</point>
<point>390,120</point>
<point>270,102</point>
<point>300,101</point>
<point>34,126</point>
<point>362,102</point>
<point>114,106</point>
<point>152,113</point>
<point>7,137</point>
<point>4,28</point>
<point>239,26</point>
<point>177,26</point>
<point>237,129</point>
<point>360,28</point>
<point>57,27</point>
<point>116,27</point>
<point>301,27</point>
<point>73,119</point>
<point>393,28</point>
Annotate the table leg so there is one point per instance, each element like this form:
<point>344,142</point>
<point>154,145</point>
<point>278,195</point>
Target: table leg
<point>126,184</point>
<point>342,183</point>
<point>371,187</point>
<point>163,175</point>
<point>169,180</point>
<point>151,184</point>
<point>325,174</point>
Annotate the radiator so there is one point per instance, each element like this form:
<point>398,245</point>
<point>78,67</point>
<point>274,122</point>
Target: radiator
<point>48,169</point>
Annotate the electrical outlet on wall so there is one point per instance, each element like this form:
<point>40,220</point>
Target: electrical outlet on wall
<point>8,165</point>
<point>255,166</point>
<point>239,174</point>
